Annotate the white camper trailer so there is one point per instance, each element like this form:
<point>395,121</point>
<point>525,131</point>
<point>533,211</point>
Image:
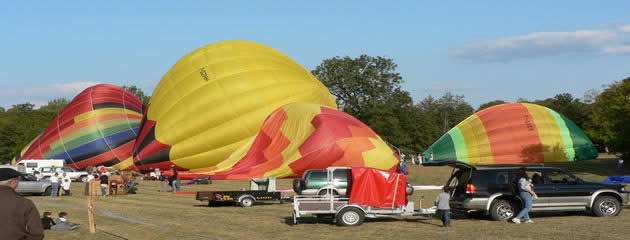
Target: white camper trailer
<point>32,165</point>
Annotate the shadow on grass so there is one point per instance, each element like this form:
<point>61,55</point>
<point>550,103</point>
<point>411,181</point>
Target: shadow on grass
<point>232,204</point>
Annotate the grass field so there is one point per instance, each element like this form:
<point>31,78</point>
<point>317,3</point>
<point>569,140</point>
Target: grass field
<point>154,215</point>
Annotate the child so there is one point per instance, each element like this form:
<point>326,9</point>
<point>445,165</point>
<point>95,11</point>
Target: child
<point>442,203</point>
<point>47,221</point>
<point>63,224</point>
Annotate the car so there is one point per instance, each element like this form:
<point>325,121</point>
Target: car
<point>315,182</point>
<point>492,191</point>
<point>30,186</point>
<point>75,175</point>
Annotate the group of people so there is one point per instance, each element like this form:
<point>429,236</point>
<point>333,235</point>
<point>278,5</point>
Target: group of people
<point>58,182</point>
<point>61,224</point>
<point>525,192</point>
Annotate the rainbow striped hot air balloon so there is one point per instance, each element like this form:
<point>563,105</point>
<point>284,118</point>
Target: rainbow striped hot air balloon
<point>513,133</point>
<point>98,127</point>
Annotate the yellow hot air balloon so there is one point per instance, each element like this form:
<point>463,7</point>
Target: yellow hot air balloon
<point>215,99</point>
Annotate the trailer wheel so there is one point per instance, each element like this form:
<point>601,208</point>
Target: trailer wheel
<point>246,202</point>
<point>350,216</point>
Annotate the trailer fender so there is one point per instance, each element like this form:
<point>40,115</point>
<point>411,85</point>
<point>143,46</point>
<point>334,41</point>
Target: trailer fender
<point>244,196</point>
<point>353,205</point>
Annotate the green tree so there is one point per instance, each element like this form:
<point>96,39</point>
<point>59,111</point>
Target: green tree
<point>55,105</point>
<point>369,89</point>
<point>2,110</point>
<point>139,93</point>
<point>22,124</point>
<point>490,104</point>
<point>610,122</point>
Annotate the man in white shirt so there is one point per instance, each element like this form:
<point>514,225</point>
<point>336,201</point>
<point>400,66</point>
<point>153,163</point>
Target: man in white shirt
<point>54,179</point>
<point>65,184</point>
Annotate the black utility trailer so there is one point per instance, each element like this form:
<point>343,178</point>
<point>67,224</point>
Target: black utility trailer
<point>261,189</point>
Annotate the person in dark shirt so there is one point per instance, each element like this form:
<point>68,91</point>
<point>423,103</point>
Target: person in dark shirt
<point>47,221</point>
<point>174,179</point>
<point>104,182</point>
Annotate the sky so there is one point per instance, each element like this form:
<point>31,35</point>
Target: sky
<point>484,50</point>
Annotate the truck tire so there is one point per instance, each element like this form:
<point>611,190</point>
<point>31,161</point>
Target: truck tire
<point>606,206</point>
<point>48,191</point>
<point>502,210</point>
<point>83,178</point>
<point>350,216</point>
<point>298,185</point>
<point>246,202</point>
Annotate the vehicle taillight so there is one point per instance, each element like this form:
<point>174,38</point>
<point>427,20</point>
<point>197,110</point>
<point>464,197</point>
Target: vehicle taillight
<point>470,188</point>
<point>305,182</point>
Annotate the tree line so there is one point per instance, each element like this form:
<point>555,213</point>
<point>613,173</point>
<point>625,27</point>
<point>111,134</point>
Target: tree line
<point>370,89</point>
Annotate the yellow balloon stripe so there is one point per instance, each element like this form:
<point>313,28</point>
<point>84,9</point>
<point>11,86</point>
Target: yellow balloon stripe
<point>549,133</point>
<point>473,130</point>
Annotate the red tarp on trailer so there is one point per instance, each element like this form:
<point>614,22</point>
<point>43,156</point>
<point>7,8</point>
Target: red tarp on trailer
<point>378,188</point>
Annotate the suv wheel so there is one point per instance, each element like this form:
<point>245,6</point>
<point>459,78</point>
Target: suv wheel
<point>502,210</point>
<point>606,206</point>
<point>325,191</point>
<point>350,216</point>
<point>298,185</point>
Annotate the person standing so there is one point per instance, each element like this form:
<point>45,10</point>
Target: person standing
<point>38,176</point>
<point>19,218</point>
<point>174,179</point>
<point>620,164</point>
<point>54,179</point>
<point>443,206</point>
<point>527,195</point>
<point>65,184</point>
<point>104,182</point>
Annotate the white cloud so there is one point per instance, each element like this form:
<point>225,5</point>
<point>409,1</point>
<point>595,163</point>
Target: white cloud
<point>616,50</point>
<point>41,94</point>
<point>625,28</point>
<point>582,42</point>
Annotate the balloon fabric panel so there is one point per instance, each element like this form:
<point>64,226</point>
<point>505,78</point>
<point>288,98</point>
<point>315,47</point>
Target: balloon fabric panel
<point>214,100</point>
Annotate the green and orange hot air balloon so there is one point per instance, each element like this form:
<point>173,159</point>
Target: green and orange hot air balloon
<point>513,133</point>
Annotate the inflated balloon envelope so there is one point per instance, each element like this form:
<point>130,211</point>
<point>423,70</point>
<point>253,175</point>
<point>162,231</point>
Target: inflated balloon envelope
<point>513,133</point>
<point>301,136</point>
<point>215,99</point>
<point>98,127</point>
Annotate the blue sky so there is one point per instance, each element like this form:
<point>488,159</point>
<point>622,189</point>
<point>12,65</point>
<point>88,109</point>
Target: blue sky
<point>485,50</point>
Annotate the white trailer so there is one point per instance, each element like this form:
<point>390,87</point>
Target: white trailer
<point>346,214</point>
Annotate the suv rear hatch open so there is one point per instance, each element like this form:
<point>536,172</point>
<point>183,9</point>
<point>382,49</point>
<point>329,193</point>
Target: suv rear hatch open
<point>459,181</point>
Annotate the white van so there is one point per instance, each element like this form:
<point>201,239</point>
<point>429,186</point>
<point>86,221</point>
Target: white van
<point>19,168</point>
<point>33,165</point>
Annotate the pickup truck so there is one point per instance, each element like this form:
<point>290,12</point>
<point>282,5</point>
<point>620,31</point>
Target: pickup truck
<point>75,175</point>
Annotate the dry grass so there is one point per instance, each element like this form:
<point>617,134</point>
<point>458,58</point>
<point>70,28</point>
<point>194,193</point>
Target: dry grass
<point>181,217</point>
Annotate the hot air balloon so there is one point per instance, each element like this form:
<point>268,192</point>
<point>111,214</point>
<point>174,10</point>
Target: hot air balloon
<point>98,127</point>
<point>215,99</point>
<point>513,133</point>
<point>301,136</point>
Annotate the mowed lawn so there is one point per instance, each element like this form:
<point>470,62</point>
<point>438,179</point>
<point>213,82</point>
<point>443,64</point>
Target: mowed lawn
<point>155,215</point>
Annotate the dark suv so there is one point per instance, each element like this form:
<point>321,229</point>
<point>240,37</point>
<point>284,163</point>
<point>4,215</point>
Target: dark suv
<point>492,191</point>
